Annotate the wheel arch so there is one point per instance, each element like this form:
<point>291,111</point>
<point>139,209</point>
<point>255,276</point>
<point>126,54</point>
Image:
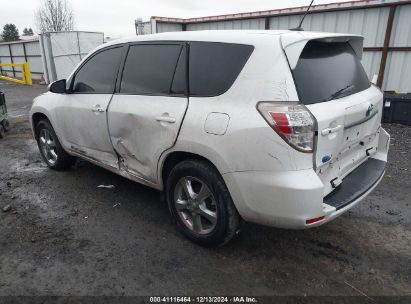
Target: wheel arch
<point>35,119</point>
<point>175,157</point>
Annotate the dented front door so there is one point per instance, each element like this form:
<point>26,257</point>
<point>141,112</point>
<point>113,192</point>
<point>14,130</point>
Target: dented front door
<point>145,116</point>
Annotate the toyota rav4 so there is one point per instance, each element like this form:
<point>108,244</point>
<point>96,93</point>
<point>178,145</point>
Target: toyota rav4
<point>281,128</point>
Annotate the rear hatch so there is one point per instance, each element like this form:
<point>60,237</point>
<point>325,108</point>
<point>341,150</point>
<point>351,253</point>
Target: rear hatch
<point>333,85</point>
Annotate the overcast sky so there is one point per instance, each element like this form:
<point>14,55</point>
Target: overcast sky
<point>116,17</point>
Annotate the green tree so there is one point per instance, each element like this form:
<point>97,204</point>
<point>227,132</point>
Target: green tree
<point>28,32</point>
<point>10,33</point>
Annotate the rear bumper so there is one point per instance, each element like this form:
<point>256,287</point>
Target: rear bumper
<point>356,184</point>
<point>332,212</point>
<point>288,199</point>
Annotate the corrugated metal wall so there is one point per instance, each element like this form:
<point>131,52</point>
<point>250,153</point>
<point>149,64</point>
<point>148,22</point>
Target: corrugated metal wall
<point>19,52</point>
<point>398,69</point>
<point>247,24</point>
<point>368,22</point>
<point>371,62</point>
<point>168,27</point>
<point>402,27</point>
<point>147,28</point>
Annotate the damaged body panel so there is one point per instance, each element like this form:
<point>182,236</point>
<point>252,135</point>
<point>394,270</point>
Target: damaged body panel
<point>142,128</point>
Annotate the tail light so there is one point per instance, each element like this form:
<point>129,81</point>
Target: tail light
<point>292,121</point>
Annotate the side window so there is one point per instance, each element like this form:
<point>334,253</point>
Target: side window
<point>98,75</point>
<point>215,66</point>
<point>180,76</point>
<point>150,69</point>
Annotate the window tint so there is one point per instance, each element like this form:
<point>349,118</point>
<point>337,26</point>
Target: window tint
<point>98,75</point>
<point>215,66</point>
<point>328,71</point>
<point>180,76</point>
<point>149,70</point>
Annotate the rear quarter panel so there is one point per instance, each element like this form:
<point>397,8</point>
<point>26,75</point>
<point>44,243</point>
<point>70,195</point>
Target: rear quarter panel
<point>249,143</point>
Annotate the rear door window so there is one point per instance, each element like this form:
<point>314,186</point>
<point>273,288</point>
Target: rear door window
<point>327,71</point>
<point>215,66</point>
<point>150,69</point>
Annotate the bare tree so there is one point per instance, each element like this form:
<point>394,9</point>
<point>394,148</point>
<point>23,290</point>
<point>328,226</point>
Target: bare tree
<point>55,16</point>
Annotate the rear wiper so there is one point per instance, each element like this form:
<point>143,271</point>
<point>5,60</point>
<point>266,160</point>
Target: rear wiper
<point>340,92</point>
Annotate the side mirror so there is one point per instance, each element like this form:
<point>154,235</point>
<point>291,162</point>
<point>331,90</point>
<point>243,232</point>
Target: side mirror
<point>58,86</point>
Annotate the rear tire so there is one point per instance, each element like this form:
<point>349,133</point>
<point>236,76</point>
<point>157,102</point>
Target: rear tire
<point>2,131</point>
<point>201,204</point>
<point>50,148</point>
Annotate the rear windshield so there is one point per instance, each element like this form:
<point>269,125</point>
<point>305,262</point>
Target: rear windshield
<point>327,71</point>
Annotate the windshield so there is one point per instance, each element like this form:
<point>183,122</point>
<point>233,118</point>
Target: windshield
<point>327,71</point>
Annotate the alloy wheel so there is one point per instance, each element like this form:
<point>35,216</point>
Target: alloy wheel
<point>48,146</point>
<point>195,205</point>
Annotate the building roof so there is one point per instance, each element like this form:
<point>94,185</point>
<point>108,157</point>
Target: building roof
<point>348,5</point>
<point>32,39</point>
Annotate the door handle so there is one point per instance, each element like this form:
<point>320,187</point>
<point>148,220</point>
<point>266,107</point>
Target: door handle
<point>166,119</point>
<point>331,130</point>
<point>97,109</point>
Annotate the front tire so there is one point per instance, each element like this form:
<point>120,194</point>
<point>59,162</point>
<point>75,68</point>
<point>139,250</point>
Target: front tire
<point>50,148</point>
<point>201,204</point>
<point>2,131</point>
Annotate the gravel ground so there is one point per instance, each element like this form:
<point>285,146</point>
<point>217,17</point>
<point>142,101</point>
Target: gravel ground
<point>19,97</point>
<point>64,236</point>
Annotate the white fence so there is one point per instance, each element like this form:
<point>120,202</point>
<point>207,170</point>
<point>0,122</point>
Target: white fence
<point>63,51</point>
<point>52,56</point>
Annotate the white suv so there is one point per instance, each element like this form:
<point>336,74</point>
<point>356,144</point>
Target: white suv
<point>280,128</point>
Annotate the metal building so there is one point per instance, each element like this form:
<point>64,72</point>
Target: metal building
<point>20,52</point>
<point>385,24</point>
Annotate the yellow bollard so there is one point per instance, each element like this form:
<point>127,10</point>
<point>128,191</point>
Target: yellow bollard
<point>25,72</point>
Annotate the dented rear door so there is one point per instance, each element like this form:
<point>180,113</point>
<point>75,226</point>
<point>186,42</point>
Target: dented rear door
<point>146,113</point>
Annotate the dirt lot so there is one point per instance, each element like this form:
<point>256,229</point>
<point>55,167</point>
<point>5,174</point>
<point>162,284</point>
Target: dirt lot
<point>65,236</point>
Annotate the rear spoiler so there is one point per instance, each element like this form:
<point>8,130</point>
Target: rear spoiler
<point>293,43</point>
